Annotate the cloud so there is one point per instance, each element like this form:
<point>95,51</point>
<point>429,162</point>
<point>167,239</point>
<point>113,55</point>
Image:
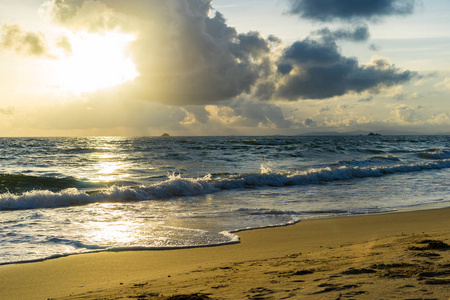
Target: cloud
<point>374,47</point>
<point>137,117</point>
<point>28,43</point>
<point>90,15</point>
<point>7,110</point>
<point>314,69</point>
<point>440,119</point>
<point>309,123</point>
<point>15,38</point>
<point>247,113</point>
<point>367,99</point>
<point>405,114</point>
<point>253,114</point>
<point>186,55</point>
<point>400,97</point>
<point>444,84</point>
<point>64,43</point>
<point>196,114</point>
<point>205,61</point>
<point>183,55</point>
<point>349,10</point>
<point>357,34</point>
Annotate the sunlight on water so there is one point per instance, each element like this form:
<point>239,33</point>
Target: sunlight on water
<point>112,225</point>
<point>122,233</point>
<point>73,195</point>
<point>109,166</point>
<point>108,171</point>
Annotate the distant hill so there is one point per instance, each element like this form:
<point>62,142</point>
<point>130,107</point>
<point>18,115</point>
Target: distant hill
<point>335,133</point>
<point>363,132</point>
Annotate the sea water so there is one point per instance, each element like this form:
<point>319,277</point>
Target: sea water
<point>62,196</point>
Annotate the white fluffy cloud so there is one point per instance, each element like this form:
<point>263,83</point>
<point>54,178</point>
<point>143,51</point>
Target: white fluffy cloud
<point>404,114</point>
<point>443,85</point>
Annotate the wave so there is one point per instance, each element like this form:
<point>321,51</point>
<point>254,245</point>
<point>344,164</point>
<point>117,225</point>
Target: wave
<point>385,158</point>
<point>435,154</point>
<point>19,183</point>
<point>265,211</point>
<point>372,161</point>
<point>176,186</point>
<point>266,142</point>
<point>225,238</point>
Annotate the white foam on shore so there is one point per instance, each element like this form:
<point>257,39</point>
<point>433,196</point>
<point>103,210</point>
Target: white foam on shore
<point>230,237</point>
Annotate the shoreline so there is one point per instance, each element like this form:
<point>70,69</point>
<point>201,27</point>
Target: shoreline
<point>421,207</point>
<point>100,274</point>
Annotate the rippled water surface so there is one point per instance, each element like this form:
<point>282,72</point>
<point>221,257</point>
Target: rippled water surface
<point>60,196</point>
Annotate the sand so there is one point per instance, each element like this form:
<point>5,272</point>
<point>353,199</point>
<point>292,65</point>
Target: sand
<point>388,256</point>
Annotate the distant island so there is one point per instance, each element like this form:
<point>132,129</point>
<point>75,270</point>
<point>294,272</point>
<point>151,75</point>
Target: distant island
<point>165,134</point>
<point>372,133</point>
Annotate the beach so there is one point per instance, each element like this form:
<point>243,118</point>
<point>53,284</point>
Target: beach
<point>396,255</point>
<point>224,149</point>
<point>121,194</point>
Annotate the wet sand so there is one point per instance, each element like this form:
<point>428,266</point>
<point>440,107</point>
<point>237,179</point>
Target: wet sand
<point>391,256</point>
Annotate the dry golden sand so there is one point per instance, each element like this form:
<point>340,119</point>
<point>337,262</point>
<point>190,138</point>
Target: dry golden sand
<point>390,256</point>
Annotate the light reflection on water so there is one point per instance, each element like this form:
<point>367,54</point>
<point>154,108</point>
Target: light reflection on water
<point>172,221</point>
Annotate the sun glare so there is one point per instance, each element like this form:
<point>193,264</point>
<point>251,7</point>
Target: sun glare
<point>97,61</point>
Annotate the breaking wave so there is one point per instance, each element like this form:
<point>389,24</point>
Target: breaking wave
<point>177,186</point>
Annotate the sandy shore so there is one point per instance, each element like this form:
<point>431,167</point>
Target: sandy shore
<point>390,256</point>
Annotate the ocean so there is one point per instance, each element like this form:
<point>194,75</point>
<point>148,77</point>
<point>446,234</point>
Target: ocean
<point>63,196</point>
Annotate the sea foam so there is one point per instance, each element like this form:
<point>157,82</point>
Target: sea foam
<point>177,186</point>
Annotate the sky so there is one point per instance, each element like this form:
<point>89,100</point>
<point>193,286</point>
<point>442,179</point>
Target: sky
<point>223,67</point>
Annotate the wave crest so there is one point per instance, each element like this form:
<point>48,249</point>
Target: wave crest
<point>435,154</point>
<point>177,186</point>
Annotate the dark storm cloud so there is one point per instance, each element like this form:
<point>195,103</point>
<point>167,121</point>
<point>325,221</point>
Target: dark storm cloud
<point>319,71</point>
<point>182,53</point>
<point>185,55</point>
<point>265,89</point>
<point>314,68</point>
<point>205,61</point>
<point>349,10</point>
<point>358,34</point>
<point>310,52</point>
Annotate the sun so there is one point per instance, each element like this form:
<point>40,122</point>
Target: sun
<point>97,61</point>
